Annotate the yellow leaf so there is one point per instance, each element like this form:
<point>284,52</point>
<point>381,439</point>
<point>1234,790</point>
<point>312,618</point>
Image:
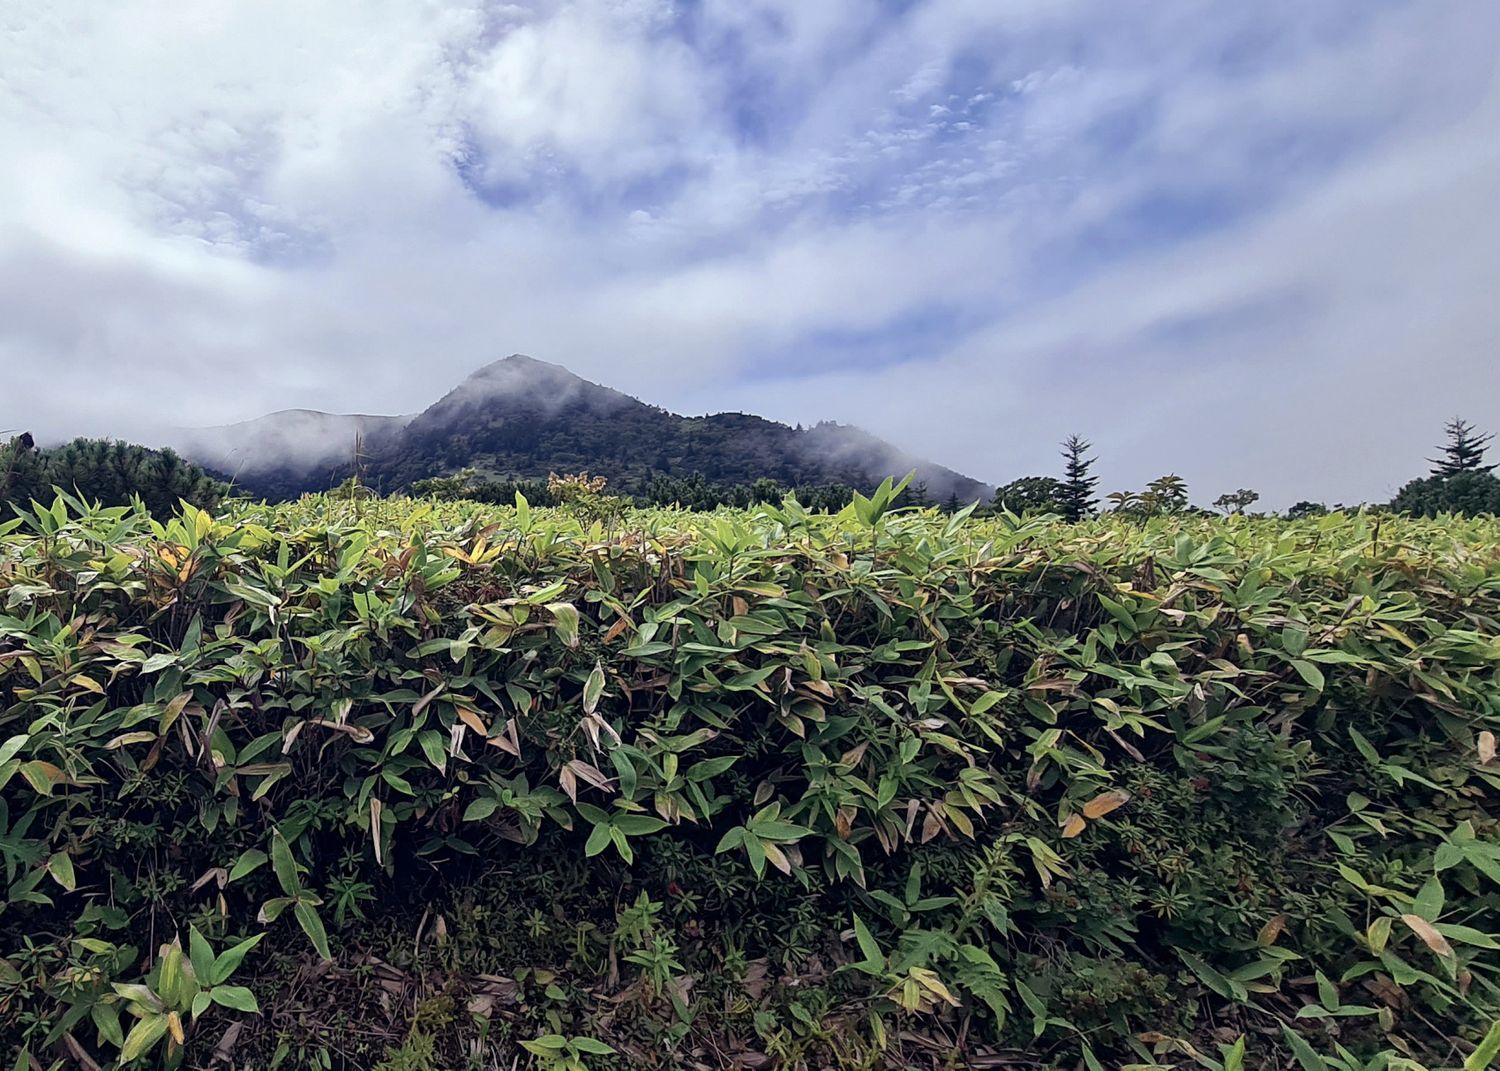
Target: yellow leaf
<point>1073,826</point>
<point>1424,929</point>
<point>1105,802</point>
<point>1271,930</point>
<point>89,683</point>
<point>930,982</point>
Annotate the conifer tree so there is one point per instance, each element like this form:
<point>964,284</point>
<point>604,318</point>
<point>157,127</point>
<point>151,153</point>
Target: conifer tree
<point>1464,452</point>
<point>1077,497</point>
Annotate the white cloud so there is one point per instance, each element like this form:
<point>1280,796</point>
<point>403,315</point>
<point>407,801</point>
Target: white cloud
<point>254,206</point>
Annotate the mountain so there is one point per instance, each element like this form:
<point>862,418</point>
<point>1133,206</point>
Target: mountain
<point>520,417</point>
<point>283,454</point>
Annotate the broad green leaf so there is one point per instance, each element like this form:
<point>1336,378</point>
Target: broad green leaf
<point>283,864</point>
<point>235,996</point>
<point>308,919</point>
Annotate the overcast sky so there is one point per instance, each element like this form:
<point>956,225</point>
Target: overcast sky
<point>1257,244</point>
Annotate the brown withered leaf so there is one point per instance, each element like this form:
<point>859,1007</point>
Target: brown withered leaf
<point>1271,930</point>
<point>616,629</point>
<point>1429,935</point>
<point>1105,802</point>
<point>1386,991</point>
<point>1486,748</point>
<point>224,1050</point>
<point>358,733</point>
<point>216,874</point>
<point>473,721</point>
<point>1073,826</point>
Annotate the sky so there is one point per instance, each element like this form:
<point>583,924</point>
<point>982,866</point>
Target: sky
<point>1256,245</point>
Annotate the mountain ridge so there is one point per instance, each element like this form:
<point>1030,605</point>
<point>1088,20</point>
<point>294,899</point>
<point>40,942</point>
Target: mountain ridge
<point>523,417</point>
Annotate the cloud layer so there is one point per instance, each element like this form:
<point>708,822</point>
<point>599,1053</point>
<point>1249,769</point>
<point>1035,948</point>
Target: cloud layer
<point>1252,244</point>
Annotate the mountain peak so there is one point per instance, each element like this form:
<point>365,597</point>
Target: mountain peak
<point>521,417</point>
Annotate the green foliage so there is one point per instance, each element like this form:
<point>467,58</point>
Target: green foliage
<point>106,472</point>
<point>469,484</point>
<point>822,784</point>
<point>1469,494</point>
<point>1236,501</point>
<point>1164,495</point>
<point>1032,494</point>
<point>1460,482</point>
<point>554,1052</point>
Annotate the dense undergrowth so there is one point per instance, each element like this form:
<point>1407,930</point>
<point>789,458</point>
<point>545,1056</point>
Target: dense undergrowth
<point>430,786</point>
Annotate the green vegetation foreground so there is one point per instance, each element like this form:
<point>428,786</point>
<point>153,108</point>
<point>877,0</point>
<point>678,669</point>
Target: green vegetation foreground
<point>438,785</point>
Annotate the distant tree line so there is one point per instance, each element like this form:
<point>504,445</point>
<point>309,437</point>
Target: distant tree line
<point>1459,482</point>
<point>693,492</point>
<point>113,473</point>
<point>104,471</point>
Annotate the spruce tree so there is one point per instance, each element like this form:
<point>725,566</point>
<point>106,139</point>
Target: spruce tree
<point>1464,452</point>
<point>1077,497</point>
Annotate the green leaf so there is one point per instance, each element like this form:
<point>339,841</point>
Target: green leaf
<point>598,840</point>
<point>757,854</point>
<point>637,825</point>
<point>60,866</point>
<point>284,865</point>
<point>142,1036</point>
<point>434,748</point>
<point>11,746</point>
<point>1364,747</point>
<point>1429,900</point>
<point>480,809</point>
<point>106,1018</point>
<point>1304,1053</point>
<point>868,946</point>
<point>235,996</point>
<point>1486,1051</point>
<point>1309,672</point>
<point>1225,987</point>
<point>249,861</point>
<point>231,958</point>
<point>1467,935</point>
<point>1328,993</point>
<point>201,955</point>
<point>702,771</point>
<point>626,769</point>
<point>546,1044</point>
<point>592,1046</point>
<point>313,926</point>
<point>593,688</point>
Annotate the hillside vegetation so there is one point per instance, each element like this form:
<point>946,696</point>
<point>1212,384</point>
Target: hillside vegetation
<point>520,418</point>
<point>416,785</point>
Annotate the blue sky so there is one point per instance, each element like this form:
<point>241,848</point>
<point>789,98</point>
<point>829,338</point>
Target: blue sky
<point>1254,244</point>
